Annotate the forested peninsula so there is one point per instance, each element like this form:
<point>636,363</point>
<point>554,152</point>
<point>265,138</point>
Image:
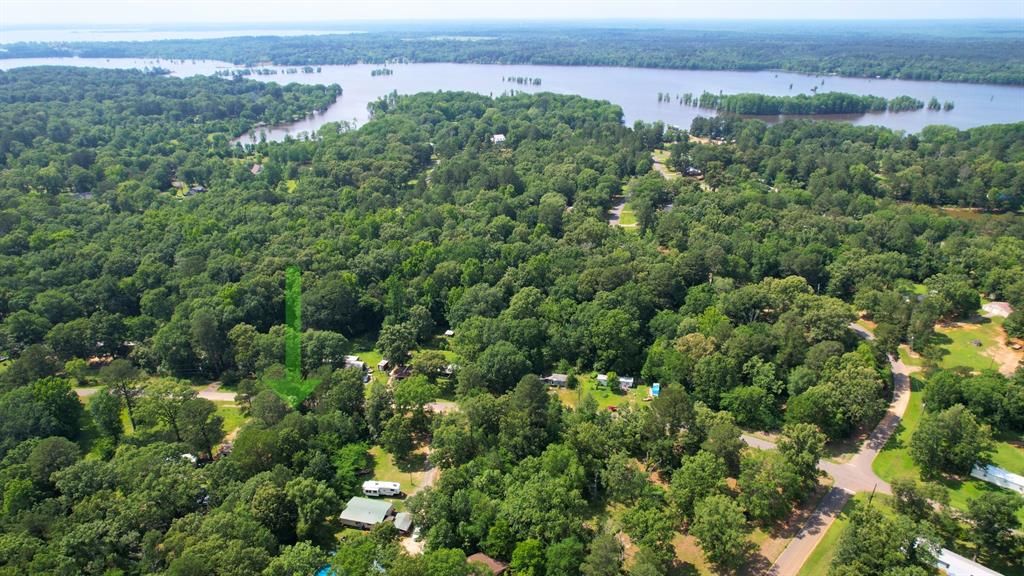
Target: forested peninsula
<point>966,54</point>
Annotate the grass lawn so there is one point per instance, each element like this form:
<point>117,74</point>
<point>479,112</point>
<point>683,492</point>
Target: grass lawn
<point>232,415</point>
<point>957,343</point>
<point>385,469</point>
<point>628,217</point>
<point>605,397</point>
<point>906,358</point>
<point>894,460</point>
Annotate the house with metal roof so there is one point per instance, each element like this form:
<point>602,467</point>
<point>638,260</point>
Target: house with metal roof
<point>364,513</point>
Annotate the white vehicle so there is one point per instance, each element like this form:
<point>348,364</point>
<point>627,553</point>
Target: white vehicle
<point>377,488</point>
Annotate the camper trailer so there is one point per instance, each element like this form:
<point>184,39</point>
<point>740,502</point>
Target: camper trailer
<point>377,488</point>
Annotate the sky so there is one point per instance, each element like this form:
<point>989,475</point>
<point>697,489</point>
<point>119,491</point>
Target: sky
<point>20,13</point>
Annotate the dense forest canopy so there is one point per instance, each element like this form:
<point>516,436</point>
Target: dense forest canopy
<point>735,292</point>
<point>965,53</point>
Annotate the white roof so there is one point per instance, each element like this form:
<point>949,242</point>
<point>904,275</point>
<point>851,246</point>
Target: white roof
<point>623,379</point>
<point>956,565</point>
<point>498,138</point>
<point>372,484</point>
<point>990,471</point>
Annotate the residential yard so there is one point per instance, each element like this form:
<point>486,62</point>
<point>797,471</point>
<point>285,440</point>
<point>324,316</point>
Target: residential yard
<point>894,460</point>
<point>979,344</point>
<point>605,397</point>
<point>232,415</point>
<point>818,562</point>
<point>410,475</point>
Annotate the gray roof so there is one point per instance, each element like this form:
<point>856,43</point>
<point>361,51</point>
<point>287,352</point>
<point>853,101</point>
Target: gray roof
<point>403,521</point>
<point>366,511</point>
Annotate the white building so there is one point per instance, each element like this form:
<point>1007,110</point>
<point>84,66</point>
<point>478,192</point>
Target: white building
<point>999,477</point>
<point>378,488</point>
<point>498,139</point>
<point>956,565</point>
<point>354,362</point>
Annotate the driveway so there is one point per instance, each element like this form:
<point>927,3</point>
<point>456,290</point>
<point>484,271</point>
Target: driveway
<point>851,477</point>
<point>210,392</point>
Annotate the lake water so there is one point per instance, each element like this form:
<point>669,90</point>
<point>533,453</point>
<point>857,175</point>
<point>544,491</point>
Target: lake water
<point>634,89</point>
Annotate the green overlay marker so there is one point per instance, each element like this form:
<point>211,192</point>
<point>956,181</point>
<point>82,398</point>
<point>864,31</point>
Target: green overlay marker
<point>293,389</point>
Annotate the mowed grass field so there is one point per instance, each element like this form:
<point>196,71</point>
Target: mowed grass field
<point>973,344</point>
<point>894,460</point>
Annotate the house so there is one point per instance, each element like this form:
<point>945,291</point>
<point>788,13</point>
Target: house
<point>354,362</point>
<point>256,168</point>
<point>449,333</point>
<point>954,564</point>
<point>493,565</point>
<point>195,190</point>
<point>625,382</point>
<point>401,372</point>
<point>403,522</point>
<point>363,513</point>
<point>379,488</point>
<point>498,139</point>
<point>999,477</point>
<point>560,380</point>
<point>693,171</point>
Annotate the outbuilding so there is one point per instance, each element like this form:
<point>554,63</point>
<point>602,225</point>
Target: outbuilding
<point>493,565</point>
<point>560,380</point>
<point>403,522</point>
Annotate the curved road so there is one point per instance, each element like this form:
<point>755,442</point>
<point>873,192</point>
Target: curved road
<point>850,477</point>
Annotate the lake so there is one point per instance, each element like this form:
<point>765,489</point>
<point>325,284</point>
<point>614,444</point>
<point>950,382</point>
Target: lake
<point>634,89</point>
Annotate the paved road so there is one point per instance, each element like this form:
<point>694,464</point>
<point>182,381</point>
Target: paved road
<point>851,477</point>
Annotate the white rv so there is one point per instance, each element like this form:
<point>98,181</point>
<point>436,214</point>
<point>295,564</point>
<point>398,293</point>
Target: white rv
<point>377,488</point>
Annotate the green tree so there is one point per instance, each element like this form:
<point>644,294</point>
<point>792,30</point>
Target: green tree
<point>201,427</point>
<point>604,557</point>
<point>396,341</point>
<point>721,530</point>
<point>123,379</point>
<point>301,558</point>
<point>993,515</point>
<point>700,476</point>
<point>165,401</point>
<point>950,441</point>
<point>528,558</point>
<point>105,409</point>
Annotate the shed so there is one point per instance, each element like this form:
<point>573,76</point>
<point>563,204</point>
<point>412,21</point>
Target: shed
<point>560,380</point>
<point>497,139</point>
<point>449,333</point>
<point>383,364</point>
<point>493,565</point>
<point>354,362</point>
<point>364,513</point>
<point>403,522</point>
